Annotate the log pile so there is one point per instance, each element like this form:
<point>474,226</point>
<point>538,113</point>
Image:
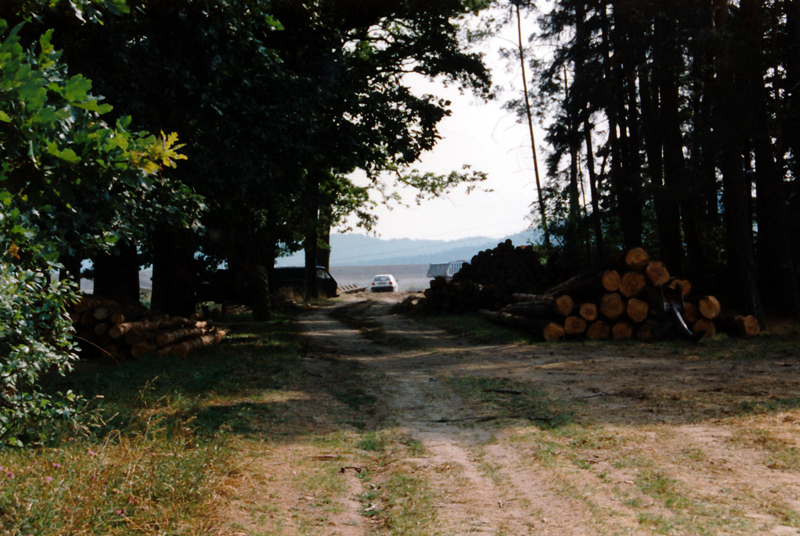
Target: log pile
<point>638,298</point>
<point>107,329</point>
<point>488,280</point>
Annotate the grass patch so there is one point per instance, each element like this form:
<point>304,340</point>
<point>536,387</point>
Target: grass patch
<point>474,327</point>
<point>401,503</point>
<point>770,406</point>
<point>500,398</point>
<point>371,443</point>
<point>156,456</point>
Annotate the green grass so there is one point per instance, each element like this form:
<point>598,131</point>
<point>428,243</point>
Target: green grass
<point>154,455</point>
<point>474,327</point>
<point>500,398</point>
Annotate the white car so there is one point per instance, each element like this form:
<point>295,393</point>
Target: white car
<point>383,283</point>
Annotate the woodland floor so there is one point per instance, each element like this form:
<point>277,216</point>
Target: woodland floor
<point>400,427</point>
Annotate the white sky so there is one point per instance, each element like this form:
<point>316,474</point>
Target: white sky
<point>489,139</point>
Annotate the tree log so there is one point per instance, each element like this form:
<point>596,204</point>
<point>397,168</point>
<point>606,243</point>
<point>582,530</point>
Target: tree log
<point>632,284</point>
<point>148,325</point>
<point>101,312</point>
<point>598,330</point>
<point>738,325</point>
<point>657,273</point>
<point>706,325</point>
<point>171,337</point>
<point>530,309</point>
<point>141,348</point>
<point>709,307</point>
<point>637,310</point>
<point>514,321</point>
<point>612,306</point>
<point>636,258</point>
<point>622,330</point>
<point>531,298</point>
<point>100,329</point>
<point>588,311</point>
<point>553,332</point>
<point>691,314</point>
<point>647,331</point>
<point>686,285</point>
<point>748,326</point>
<point>192,345</point>
<point>563,305</point>
<point>574,325</point>
<point>588,286</point>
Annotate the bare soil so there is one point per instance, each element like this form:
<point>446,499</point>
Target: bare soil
<point>451,436</point>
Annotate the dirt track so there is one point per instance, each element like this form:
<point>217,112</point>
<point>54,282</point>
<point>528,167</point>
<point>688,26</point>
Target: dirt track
<point>551,439</point>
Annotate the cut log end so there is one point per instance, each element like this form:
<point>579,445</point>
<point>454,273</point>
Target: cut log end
<point>553,332</point>
<point>598,330</point>
<point>747,326</point>
<point>563,305</point>
<point>709,307</point>
<point>574,325</point>
<point>632,284</point>
<point>636,258</point>
<point>657,273</point>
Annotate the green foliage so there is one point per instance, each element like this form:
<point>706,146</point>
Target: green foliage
<point>70,182</point>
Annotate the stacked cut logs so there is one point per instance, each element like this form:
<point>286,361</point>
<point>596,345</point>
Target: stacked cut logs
<point>488,280</point>
<point>105,328</point>
<point>619,303</point>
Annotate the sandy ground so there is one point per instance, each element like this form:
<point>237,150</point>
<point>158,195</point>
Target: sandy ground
<point>661,439</point>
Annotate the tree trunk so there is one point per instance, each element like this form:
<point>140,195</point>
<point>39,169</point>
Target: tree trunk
<point>743,292</point>
<point>175,272</point>
<point>776,269</point>
<point>116,274</point>
<point>668,67</point>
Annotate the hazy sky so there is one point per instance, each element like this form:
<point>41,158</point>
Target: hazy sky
<point>489,139</point>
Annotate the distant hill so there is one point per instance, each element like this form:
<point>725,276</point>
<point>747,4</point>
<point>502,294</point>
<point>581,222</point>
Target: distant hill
<point>362,250</point>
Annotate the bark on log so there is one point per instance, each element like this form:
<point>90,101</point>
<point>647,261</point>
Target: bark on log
<point>533,325</point>
<point>171,337</point>
<point>709,307</point>
<point>141,348</point>
<point>148,325</point>
<point>588,286</point>
<point>531,298</point>
<point>637,310</point>
<point>530,309</point>
<point>192,345</point>
<point>657,273</point>
<point>632,284</point>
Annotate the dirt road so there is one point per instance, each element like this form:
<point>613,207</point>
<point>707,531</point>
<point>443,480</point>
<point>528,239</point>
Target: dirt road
<point>412,430</point>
